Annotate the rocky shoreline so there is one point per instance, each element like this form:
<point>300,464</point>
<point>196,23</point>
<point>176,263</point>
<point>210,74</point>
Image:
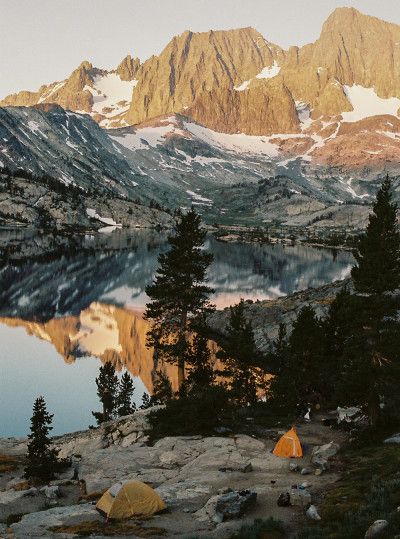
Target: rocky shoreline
<point>190,473</point>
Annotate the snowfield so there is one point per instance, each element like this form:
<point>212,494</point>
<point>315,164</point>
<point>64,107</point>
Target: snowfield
<point>366,103</point>
<point>269,72</point>
<point>236,143</point>
<point>110,92</point>
<point>146,137</point>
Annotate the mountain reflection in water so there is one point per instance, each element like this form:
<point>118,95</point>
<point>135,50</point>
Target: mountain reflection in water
<point>89,305</point>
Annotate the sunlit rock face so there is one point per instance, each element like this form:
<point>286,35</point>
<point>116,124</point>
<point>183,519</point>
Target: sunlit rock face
<point>236,81</point>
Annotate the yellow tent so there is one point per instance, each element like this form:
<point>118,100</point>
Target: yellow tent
<point>289,445</point>
<point>130,499</point>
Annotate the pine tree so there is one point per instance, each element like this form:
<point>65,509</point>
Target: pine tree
<point>378,254</point>
<point>42,457</point>
<point>107,391</point>
<point>300,368</point>
<point>179,293</point>
<point>125,393</point>
<point>363,332</point>
<point>362,343</point>
<point>201,375</point>
<point>162,389</point>
<point>240,356</point>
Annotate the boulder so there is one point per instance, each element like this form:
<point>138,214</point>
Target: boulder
<point>376,529</point>
<point>326,451</point>
<point>305,471</point>
<point>184,492</point>
<point>394,439</point>
<point>321,455</point>
<point>313,513</point>
<point>320,462</point>
<point>51,492</point>
<point>234,504</point>
<point>293,467</point>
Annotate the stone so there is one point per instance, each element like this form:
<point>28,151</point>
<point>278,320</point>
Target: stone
<point>305,484</point>
<point>376,529</point>
<point>318,471</point>
<point>321,455</point>
<point>234,504</point>
<point>169,459</point>
<point>293,467</point>
<point>312,513</point>
<point>320,462</point>
<point>325,451</point>
<point>394,439</point>
<point>305,471</point>
<point>51,492</point>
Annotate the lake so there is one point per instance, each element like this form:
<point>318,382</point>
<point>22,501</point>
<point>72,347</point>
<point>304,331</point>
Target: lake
<point>61,317</point>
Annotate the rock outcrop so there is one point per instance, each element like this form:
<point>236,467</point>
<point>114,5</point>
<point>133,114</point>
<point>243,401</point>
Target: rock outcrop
<point>188,472</point>
<point>128,68</point>
<point>232,72</point>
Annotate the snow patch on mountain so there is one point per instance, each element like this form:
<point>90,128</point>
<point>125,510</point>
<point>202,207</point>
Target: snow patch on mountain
<point>145,138</point>
<point>242,86</point>
<point>269,72</point>
<point>366,102</point>
<point>236,143</point>
<point>111,95</point>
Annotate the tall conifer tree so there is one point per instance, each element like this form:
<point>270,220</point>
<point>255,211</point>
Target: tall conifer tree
<point>125,394</point>
<point>107,391</point>
<point>240,356</point>
<point>42,457</point>
<point>179,294</point>
<point>378,254</point>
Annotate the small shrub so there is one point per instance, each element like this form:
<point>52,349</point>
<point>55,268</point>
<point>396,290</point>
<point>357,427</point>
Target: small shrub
<point>107,529</point>
<point>261,529</point>
<point>190,415</point>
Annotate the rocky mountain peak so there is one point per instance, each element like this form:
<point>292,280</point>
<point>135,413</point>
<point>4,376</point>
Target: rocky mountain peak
<point>85,66</point>
<point>235,81</point>
<point>128,68</point>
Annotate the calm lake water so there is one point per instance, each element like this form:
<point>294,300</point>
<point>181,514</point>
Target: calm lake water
<point>59,319</point>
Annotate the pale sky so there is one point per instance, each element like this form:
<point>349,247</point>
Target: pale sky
<point>42,41</point>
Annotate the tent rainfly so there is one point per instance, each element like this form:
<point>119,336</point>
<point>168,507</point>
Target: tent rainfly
<point>129,499</point>
<point>289,445</point>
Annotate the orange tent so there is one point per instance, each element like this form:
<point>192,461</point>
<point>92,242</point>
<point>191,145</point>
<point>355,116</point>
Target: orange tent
<point>289,445</point>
